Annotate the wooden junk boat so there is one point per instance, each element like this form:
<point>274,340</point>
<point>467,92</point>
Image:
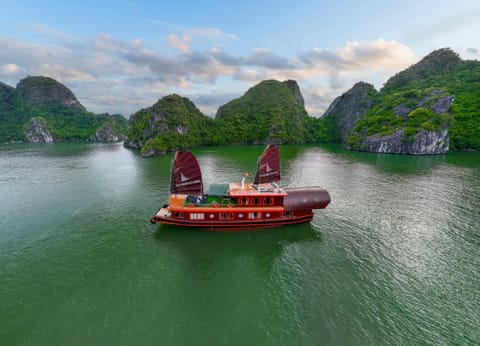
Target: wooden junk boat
<point>237,206</point>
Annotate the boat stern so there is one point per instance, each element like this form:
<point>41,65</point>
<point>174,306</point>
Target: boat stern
<point>161,214</point>
<point>306,198</point>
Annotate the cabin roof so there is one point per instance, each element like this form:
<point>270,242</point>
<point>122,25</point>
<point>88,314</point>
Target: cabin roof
<point>260,190</point>
<point>218,190</point>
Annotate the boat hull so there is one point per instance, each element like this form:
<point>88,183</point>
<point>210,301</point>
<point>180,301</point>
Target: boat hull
<point>232,225</point>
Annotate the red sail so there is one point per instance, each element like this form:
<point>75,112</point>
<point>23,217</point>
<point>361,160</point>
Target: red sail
<point>268,169</point>
<point>186,177</point>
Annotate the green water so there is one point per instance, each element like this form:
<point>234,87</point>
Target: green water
<point>394,259</point>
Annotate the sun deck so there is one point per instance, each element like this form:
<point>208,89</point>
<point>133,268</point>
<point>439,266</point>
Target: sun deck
<point>250,190</point>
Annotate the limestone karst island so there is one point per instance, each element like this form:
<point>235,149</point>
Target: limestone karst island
<point>429,108</point>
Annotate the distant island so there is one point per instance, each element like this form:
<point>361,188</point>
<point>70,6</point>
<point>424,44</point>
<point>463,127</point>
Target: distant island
<point>429,108</point>
<point>40,109</point>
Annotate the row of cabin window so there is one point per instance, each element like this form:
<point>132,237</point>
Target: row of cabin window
<point>201,216</point>
<point>255,201</point>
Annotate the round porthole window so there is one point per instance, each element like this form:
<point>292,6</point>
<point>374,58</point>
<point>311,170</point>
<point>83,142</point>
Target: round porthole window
<point>212,216</point>
<point>267,214</point>
<point>240,215</point>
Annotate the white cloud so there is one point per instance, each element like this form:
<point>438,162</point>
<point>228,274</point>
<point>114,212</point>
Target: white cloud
<point>265,58</point>
<point>181,44</point>
<point>112,75</point>
<point>379,54</point>
<point>209,32</point>
<point>317,99</point>
<point>10,70</point>
<point>472,51</point>
<point>46,31</point>
<point>375,55</point>
<point>62,73</point>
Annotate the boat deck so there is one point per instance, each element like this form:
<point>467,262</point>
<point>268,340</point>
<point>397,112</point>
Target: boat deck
<point>241,190</point>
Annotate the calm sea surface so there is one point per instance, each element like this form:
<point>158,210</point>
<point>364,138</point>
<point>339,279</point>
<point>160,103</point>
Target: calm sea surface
<point>394,259</point>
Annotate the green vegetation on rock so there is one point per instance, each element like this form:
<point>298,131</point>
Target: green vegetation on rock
<point>444,70</point>
<point>173,122</point>
<point>407,102</point>
<point>409,109</point>
<point>11,121</point>
<point>45,98</point>
<point>271,111</point>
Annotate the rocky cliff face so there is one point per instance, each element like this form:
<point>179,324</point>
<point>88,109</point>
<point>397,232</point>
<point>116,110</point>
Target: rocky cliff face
<point>144,126</point>
<point>106,133</point>
<point>423,129</point>
<point>295,90</point>
<point>423,143</point>
<point>38,132</point>
<point>347,109</point>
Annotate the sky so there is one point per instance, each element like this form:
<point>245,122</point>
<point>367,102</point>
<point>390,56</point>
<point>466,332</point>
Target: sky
<point>121,56</point>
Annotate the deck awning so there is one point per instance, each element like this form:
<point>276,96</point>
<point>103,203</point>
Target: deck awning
<point>218,190</point>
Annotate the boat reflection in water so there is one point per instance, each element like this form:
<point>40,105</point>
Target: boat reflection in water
<point>237,206</point>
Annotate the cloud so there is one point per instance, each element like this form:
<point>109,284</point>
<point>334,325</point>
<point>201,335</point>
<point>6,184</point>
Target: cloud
<point>378,54</point>
<point>258,57</point>
<point>341,67</point>
<point>188,36</point>
<point>121,76</point>
<point>256,74</point>
<point>180,70</point>
<point>472,50</point>
<point>225,58</point>
<point>10,70</point>
<point>209,32</point>
<point>61,73</point>
<point>48,32</point>
<point>318,99</point>
<point>265,58</point>
<point>208,103</point>
<point>335,80</point>
<point>457,19</point>
<point>181,44</point>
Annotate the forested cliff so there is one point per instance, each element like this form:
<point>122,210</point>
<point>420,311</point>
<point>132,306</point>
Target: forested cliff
<point>40,109</point>
<point>429,108</point>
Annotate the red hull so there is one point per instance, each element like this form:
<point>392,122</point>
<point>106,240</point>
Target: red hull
<point>234,225</point>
